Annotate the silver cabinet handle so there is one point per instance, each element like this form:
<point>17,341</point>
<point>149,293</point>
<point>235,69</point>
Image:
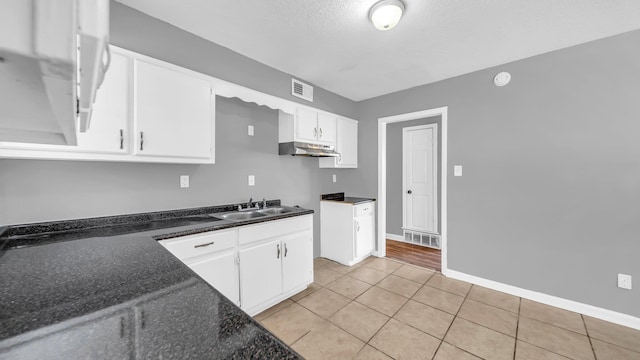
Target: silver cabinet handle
<point>357,226</point>
<point>278,255</point>
<point>285,250</point>
<point>409,192</point>
<point>320,133</point>
<point>315,133</point>
<point>121,139</point>
<point>203,245</point>
<point>141,141</point>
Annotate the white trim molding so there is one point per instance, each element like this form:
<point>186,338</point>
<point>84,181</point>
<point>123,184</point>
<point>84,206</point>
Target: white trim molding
<point>395,237</point>
<point>382,178</point>
<point>578,307</point>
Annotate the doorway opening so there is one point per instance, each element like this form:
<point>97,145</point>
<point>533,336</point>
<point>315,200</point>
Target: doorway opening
<point>412,154</point>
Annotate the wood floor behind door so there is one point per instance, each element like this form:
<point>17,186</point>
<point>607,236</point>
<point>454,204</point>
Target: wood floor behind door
<point>414,254</point>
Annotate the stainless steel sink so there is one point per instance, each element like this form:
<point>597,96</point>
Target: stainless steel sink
<point>239,216</point>
<point>276,210</point>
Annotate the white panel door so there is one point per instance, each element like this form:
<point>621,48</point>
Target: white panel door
<point>260,273</point>
<point>109,131</point>
<point>173,113</point>
<point>306,125</point>
<point>297,260</point>
<point>419,158</point>
<point>327,128</point>
<point>220,271</point>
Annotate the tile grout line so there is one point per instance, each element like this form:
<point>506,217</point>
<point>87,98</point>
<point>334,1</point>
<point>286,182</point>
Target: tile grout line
<point>389,319</point>
<point>593,350</point>
<point>515,345</point>
<point>454,318</point>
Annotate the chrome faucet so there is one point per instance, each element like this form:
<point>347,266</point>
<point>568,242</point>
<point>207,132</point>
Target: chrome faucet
<point>249,203</point>
<point>264,203</point>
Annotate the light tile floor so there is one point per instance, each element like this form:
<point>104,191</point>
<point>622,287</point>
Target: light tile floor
<point>385,309</point>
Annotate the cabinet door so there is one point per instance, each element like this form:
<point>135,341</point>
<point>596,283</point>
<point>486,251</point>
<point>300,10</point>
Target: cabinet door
<point>260,273</point>
<point>297,260</point>
<point>108,337</point>
<point>326,128</point>
<point>364,233</point>
<point>306,125</point>
<point>173,113</point>
<point>221,272</point>
<point>161,325</point>
<point>347,143</point>
<point>109,131</point>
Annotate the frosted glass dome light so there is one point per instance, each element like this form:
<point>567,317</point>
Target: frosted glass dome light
<point>386,14</point>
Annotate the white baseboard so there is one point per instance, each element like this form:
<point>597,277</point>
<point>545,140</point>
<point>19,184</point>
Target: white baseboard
<point>395,237</point>
<point>590,310</point>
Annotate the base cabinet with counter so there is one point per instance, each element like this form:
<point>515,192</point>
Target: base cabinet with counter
<point>347,231</point>
<point>254,266</point>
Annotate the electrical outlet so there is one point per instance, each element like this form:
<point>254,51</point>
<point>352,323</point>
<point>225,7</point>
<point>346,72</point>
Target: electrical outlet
<point>184,181</point>
<point>250,130</point>
<point>335,178</point>
<point>624,281</point>
<point>252,180</point>
<point>457,170</point>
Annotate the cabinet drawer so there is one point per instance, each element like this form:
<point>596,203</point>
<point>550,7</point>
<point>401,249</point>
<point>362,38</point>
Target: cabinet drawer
<point>200,244</point>
<point>275,228</point>
<point>364,209</point>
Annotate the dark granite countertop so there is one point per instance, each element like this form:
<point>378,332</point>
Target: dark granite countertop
<point>339,197</point>
<point>77,294</point>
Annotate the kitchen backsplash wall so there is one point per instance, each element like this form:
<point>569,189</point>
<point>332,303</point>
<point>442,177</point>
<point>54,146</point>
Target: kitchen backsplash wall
<point>33,190</point>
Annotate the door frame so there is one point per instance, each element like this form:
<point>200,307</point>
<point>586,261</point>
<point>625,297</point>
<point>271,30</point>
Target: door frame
<point>434,176</point>
<point>382,177</point>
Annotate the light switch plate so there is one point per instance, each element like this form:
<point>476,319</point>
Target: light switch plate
<point>457,170</point>
<point>252,180</point>
<point>250,130</point>
<point>335,178</point>
<point>624,281</point>
<point>184,181</point>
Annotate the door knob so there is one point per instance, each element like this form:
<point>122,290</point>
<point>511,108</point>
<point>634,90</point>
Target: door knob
<point>409,192</point>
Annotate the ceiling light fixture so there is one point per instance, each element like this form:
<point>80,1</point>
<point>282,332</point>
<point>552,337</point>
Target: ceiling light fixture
<point>386,14</point>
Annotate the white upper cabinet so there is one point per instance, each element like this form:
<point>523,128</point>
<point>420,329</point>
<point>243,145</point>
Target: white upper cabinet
<point>346,145</point>
<point>326,128</point>
<point>308,125</point>
<point>145,111</point>
<point>110,119</point>
<point>173,112</point>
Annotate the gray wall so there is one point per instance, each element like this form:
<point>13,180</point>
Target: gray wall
<point>394,170</point>
<point>549,197</point>
<point>32,191</point>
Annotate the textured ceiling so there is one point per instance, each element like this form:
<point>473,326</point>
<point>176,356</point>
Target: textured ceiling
<point>332,44</point>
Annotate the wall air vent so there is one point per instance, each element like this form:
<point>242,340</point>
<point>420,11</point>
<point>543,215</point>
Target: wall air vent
<point>301,90</point>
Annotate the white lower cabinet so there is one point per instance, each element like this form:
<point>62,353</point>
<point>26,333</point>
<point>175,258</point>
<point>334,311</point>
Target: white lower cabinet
<point>275,260</point>
<point>215,269</point>
<point>347,231</point>
<point>260,273</point>
<point>212,255</point>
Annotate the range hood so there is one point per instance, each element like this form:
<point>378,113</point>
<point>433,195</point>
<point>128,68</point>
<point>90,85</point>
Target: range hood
<point>296,148</point>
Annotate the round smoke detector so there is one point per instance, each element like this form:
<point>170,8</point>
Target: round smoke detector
<point>502,79</point>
